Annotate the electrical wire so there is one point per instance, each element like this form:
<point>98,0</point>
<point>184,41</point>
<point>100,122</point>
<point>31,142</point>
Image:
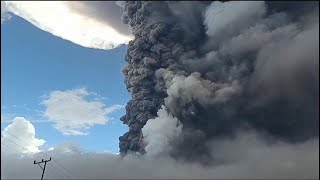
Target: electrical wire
<point>43,154</point>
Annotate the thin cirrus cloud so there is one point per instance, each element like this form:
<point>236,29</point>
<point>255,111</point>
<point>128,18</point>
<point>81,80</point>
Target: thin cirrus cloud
<point>73,113</point>
<point>73,21</point>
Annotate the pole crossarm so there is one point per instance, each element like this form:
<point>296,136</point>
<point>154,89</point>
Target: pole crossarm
<point>44,168</point>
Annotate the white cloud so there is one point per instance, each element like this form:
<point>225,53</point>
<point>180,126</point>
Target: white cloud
<point>20,135</point>
<point>114,108</point>
<point>73,114</point>
<point>66,147</point>
<point>110,152</point>
<point>4,12</point>
<point>57,18</point>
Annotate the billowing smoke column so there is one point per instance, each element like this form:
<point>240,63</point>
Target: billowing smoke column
<point>199,71</point>
<point>159,43</point>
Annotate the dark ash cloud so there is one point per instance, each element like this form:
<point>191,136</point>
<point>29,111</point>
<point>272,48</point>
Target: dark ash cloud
<point>107,12</point>
<point>217,68</point>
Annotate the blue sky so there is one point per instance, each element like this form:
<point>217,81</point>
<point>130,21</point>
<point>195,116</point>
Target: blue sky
<point>35,63</point>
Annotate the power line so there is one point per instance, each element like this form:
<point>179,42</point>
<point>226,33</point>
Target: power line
<point>61,172</point>
<point>16,150</point>
<point>19,152</point>
<point>42,153</point>
<point>58,171</point>
<point>62,166</point>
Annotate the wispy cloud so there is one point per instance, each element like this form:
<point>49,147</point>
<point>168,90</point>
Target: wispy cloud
<point>113,108</point>
<point>7,117</point>
<point>73,114</point>
<point>31,121</point>
<point>33,115</point>
<point>61,19</point>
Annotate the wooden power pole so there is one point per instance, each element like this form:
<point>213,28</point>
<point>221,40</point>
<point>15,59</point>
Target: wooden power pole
<point>44,168</point>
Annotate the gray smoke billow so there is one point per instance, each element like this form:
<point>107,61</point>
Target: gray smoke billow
<point>106,12</point>
<point>202,71</point>
<point>220,90</point>
<point>245,157</point>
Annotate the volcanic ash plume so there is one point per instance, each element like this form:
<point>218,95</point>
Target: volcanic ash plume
<point>202,71</point>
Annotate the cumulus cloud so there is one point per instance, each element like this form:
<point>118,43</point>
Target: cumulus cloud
<point>73,114</point>
<point>79,23</point>
<point>247,156</point>
<point>21,135</point>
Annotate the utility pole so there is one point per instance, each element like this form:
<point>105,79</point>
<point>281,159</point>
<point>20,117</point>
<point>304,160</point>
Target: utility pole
<point>44,168</point>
